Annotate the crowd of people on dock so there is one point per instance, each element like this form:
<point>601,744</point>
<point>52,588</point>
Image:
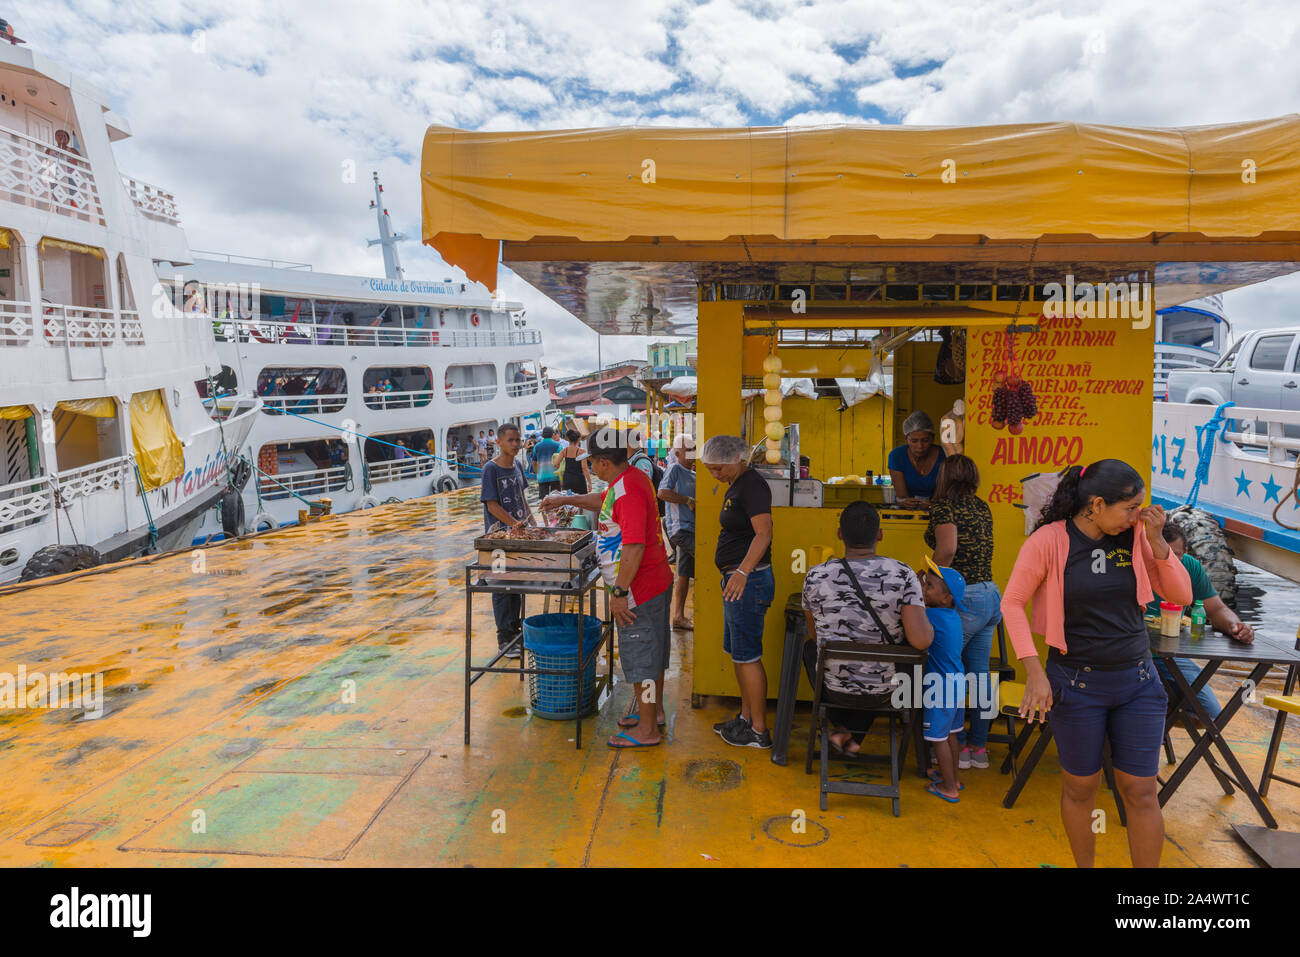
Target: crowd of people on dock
<point>1095,560</point>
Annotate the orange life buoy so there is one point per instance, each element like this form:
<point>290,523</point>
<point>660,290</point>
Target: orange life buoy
<point>474,318</point>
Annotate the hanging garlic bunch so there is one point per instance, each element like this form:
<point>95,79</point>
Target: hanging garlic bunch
<point>772,408</point>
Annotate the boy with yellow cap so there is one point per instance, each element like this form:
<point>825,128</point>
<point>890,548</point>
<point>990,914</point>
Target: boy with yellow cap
<point>944,682</point>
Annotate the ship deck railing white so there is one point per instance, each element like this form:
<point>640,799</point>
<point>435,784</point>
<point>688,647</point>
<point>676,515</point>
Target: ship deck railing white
<point>472,393</point>
<point>1171,356</point>
<point>238,260</point>
<point>305,332</point>
<point>516,389</point>
<point>1265,430</point>
<point>398,400</point>
<point>309,482</point>
<point>36,174</point>
<point>25,503</point>
<point>74,325</point>
<point>417,466</point>
<point>153,201</point>
<point>32,500</point>
<point>303,404</point>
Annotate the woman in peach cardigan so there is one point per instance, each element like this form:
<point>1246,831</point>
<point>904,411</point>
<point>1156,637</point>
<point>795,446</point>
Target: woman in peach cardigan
<point>1089,568</point>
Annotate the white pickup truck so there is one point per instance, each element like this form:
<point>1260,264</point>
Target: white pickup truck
<point>1260,371</point>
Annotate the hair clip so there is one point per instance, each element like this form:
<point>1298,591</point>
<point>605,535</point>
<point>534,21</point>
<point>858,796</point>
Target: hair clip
<point>1082,469</point>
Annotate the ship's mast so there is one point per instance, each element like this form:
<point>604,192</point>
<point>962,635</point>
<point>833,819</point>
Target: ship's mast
<point>387,238</point>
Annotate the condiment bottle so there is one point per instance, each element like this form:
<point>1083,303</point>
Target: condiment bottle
<point>1198,620</point>
<point>1171,619</point>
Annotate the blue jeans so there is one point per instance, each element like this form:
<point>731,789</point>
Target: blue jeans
<point>742,620</point>
<point>1191,671</point>
<point>983,612</point>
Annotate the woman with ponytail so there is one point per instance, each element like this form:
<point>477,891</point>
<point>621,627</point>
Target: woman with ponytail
<point>1089,568</point>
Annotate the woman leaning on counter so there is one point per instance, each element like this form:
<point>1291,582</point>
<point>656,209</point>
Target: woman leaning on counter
<point>744,557</point>
<point>914,466</point>
<point>1089,568</point>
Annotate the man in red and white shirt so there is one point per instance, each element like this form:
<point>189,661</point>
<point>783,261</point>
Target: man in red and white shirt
<point>635,566</point>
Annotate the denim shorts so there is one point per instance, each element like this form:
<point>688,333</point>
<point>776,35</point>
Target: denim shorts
<point>645,645</point>
<point>1125,706</point>
<point>742,620</point>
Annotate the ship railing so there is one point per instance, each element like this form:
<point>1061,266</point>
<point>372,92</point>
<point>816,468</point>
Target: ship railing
<point>310,482</point>
<point>85,480</point>
<point>154,202</point>
<point>15,322</point>
<point>25,503</point>
<point>472,393</point>
<point>132,327</point>
<point>516,389</point>
<point>236,259</point>
<point>1275,431</point>
<point>34,173</point>
<point>419,466</point>
<point>303,404</point>
<point>79,325</point>
<point>305,332</point>
<point>398,400</point>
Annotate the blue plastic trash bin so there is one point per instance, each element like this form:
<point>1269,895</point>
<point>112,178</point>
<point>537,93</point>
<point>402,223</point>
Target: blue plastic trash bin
<point>552,642</point>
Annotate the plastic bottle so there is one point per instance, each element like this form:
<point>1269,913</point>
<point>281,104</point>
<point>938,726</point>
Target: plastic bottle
<point>1198,620</point>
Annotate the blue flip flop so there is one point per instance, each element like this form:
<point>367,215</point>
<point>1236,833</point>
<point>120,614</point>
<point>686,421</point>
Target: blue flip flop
<point>937,778</point>
<point>635,743</point>
<point>635,719</point>
<point>933,788</point>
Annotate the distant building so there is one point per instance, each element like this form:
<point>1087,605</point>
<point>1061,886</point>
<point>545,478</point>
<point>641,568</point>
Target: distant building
<point>618,384</point>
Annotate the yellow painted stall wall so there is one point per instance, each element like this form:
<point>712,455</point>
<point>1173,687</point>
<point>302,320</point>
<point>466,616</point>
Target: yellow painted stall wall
<point>1092,380</point>
<point>836,443</point>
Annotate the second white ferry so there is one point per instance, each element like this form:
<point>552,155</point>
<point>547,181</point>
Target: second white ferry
<point>373,390</point>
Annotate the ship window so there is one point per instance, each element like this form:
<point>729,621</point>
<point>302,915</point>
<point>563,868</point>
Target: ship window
<point>72,274</point>
<point>400,446</point>
<point>86,431</point>
<point>1270,352</point>
<point>397,387</point>
<point>13,284</point>
<point>302,389</point>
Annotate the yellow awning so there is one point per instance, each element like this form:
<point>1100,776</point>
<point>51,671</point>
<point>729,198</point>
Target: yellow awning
<point>887,183</point>
<point>158,452</point>
<point>5,238</point>
<point>98,408</point>
<point>15,412</point>
<point>50,242</point>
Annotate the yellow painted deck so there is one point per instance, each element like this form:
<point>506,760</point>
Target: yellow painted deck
<point>226,738</point>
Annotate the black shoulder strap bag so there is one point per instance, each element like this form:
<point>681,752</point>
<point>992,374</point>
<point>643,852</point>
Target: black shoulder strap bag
<point>862,597</point>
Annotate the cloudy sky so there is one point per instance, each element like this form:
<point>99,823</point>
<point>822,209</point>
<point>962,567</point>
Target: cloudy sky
<point>252,110</point>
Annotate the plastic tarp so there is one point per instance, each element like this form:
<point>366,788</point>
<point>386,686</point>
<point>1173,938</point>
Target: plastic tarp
<point>50,243</point>
<point>96,408</point>
<point>158,452</point>
<point>681,388</point>
<point>6,239</point>
<point>812,183</point>
<point>15,412</point>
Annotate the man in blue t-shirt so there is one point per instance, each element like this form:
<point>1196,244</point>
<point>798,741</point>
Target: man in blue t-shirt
<point>677,489</point>
<point>505,502</point>
<point>543,463</point>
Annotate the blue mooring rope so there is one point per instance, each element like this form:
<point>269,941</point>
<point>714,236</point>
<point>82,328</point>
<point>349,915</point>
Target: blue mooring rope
<point>1205,435</point>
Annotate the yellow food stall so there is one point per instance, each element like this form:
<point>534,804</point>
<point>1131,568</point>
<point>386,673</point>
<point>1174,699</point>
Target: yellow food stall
<point>841,251</point>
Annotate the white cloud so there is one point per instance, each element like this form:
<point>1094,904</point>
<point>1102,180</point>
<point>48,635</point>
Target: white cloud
<point>250,133</point>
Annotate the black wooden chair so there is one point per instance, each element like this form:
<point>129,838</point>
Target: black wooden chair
<point>1005,669</point>
<point>901,722</point>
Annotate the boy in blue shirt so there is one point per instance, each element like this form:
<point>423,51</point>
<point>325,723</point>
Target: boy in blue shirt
<point>944,683</point>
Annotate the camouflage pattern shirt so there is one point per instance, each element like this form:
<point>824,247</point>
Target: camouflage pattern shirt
<point>839,616</point>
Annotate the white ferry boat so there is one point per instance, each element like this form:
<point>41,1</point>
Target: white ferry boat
<point>1191,335</point>
<point>370,387</point>
<point>106,449</point>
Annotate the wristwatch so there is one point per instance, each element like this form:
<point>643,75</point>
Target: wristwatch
<point>619,592</point>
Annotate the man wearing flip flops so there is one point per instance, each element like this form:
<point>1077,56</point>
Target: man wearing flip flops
<point>635,566</point>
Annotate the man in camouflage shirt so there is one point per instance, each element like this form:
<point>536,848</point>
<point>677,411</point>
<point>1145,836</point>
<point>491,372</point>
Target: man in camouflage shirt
<point>834,612</point>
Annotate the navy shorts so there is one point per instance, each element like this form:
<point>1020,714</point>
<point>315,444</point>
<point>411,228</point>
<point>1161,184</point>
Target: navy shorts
<point>1125,706</point>
<point>742,620</point>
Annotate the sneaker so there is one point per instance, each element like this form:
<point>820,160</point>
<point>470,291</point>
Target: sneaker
<point>979,758</point>
<point>744,736</point>
<point>722,726</point>
<point>514,653</point>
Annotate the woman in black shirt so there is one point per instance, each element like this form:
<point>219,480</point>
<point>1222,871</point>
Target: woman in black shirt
<point>744,557</point>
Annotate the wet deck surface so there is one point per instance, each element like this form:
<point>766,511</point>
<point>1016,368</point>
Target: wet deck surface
<point>226,737</point>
